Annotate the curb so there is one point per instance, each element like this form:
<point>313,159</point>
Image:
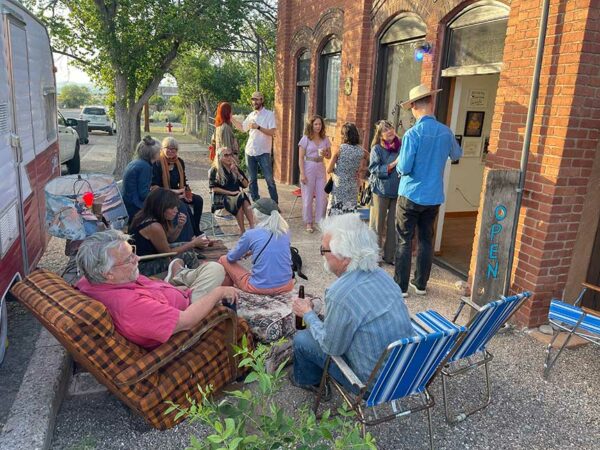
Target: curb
<point>30,423</point>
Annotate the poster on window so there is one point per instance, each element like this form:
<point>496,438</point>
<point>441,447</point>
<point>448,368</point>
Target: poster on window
<point>474,123</point>
<point>477,98</point>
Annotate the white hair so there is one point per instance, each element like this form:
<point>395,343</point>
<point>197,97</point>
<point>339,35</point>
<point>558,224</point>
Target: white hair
<point>351,238</point>
<point>93,258</point>
<point>275,223</point>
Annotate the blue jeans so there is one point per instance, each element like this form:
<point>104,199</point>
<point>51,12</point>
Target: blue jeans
<point>264,161</point>
<point>309,361</point>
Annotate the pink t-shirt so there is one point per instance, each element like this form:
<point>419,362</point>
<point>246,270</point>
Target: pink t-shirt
<point>312,149</point>
<point>144,311</point>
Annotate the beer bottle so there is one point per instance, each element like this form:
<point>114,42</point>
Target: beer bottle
<point>300,325</point>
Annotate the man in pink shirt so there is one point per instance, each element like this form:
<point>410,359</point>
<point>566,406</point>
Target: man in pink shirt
<point>145,311</point>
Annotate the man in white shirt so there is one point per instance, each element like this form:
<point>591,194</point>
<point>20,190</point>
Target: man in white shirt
<point>260,125</point>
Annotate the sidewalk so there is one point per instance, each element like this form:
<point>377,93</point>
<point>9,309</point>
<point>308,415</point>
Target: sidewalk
<point>526,412</point>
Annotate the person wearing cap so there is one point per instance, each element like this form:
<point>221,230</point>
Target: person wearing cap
<point>260,126</point>
<point>268,244</point>
<point>425,149</point>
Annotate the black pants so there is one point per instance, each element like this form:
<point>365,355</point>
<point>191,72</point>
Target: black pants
<point>408,216</point>
<point>196,209</point>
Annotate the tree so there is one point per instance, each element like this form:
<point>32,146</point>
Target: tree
<point>203,82</point>
<point>127,46</point>
<point>74,96</point>
<point>158,101</point>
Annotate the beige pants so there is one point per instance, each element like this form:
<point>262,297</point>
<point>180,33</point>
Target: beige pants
<point>201,280</point>
<point>383,222</point>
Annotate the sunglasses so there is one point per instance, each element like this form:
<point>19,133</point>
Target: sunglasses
<point>257,99</point>
<point>324,250</point>
<point>226,154</point>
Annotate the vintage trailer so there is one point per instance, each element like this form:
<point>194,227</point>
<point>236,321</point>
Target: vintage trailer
<point>29,155</point>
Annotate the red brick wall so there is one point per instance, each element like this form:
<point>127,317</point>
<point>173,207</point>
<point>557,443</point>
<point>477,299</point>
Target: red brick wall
<point>565,135</point>
<point>565,132</point>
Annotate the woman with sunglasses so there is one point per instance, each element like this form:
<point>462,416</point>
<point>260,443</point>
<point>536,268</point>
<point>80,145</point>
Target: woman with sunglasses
<point>169,173</point>
<point>227,180</point>
<point>384,180</point>
<point>153,231</point>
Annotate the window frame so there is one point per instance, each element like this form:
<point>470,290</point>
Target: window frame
<point>325,58</point>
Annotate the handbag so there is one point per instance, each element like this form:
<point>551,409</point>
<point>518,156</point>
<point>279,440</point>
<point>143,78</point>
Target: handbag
<point>328,186</point>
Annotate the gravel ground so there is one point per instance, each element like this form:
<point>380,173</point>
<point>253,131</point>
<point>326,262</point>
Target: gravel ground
<point>526,412</point>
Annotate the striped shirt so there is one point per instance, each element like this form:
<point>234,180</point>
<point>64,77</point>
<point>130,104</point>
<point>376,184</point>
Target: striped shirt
<point>365,313</point>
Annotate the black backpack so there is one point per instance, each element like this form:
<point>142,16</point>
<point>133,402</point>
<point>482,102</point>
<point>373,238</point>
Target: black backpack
<point>297,263</point>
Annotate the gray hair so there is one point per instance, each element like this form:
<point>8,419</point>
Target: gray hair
<point>93,258</point>
<point>274,222</point>
<point>148,148</point>
<point>352,238</point>
<point>170,141</point>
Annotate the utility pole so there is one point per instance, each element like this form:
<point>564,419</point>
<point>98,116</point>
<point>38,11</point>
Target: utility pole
<point>257,63</point>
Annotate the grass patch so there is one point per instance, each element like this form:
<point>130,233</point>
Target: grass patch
<point>159,132</point>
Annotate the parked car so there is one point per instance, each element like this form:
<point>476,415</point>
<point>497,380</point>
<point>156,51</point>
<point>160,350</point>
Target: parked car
<point>98,119</point>
<point>68,144</point>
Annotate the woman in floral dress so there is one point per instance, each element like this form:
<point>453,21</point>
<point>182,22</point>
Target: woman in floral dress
<point>347,165</point>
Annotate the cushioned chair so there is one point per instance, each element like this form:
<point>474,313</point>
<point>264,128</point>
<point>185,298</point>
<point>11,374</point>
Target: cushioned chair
<point>575,320</point>
<point>405,370</point>
<point>471,351</point>
<point>144,380</point>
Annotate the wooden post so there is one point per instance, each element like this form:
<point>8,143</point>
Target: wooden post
<point>497,218</point>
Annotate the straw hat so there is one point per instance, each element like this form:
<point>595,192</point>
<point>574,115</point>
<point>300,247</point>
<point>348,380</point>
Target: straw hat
<point>417,93</point>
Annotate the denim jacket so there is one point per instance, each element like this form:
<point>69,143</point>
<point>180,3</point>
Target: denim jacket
<point>383,183</point>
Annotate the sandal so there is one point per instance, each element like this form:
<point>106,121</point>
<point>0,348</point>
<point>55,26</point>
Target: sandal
<point>310,229</point>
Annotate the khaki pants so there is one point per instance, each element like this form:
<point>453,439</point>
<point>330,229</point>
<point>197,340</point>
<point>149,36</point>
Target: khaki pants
<point>201,280</point>
<point>383,222</point>
<point>240,278</point>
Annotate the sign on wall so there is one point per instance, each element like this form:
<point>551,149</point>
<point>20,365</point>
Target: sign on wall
<point>497,218</point>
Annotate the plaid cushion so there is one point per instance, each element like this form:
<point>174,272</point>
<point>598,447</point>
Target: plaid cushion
<point>85,328</point>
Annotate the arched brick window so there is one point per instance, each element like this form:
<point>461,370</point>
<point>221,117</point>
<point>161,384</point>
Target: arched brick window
<point>330,61</point>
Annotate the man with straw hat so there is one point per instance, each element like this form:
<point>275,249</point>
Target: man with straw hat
<point>421,162</point>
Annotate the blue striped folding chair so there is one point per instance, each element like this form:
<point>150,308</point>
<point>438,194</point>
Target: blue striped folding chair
<point>405,369</point>
<point>470,352</point>
<point>575,320</point>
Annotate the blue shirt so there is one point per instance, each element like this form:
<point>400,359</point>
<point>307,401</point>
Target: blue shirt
<point>425,150</point>
<point>365,313</point>
<point>136,185</point>
<point>274,266</point>
<point>383,183</point>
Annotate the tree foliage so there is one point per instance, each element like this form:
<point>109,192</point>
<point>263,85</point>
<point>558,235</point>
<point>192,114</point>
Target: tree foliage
<point>128,45</point>
<point>74,96</point>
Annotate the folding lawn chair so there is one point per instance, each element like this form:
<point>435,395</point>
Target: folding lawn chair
<point>471,352</point>
<point>405,369</point>
<point>574,319</point>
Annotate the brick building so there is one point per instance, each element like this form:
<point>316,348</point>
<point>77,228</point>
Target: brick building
<point>354,60</point>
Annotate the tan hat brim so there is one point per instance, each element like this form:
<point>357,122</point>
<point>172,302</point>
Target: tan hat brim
<point>406,104</point>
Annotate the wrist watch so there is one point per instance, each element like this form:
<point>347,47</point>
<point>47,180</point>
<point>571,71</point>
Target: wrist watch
<point>258,127</point>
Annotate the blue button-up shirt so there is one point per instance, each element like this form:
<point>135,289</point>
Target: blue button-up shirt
<point>425,150</point>
<point>365,313</point>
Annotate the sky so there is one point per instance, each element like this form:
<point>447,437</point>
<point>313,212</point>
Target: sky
<point>68,73</point>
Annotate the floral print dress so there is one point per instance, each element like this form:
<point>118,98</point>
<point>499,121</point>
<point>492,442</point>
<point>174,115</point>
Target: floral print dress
<point>344,196</point>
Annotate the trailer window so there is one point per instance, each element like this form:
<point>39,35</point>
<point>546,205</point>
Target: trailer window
<point>50,107</point>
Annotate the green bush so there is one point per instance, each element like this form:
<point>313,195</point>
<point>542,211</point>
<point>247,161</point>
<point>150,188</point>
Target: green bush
<point>252,420</point>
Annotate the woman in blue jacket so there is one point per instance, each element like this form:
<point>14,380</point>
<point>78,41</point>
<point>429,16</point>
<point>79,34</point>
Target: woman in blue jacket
<point>138,175</point>
<point>384,180</point>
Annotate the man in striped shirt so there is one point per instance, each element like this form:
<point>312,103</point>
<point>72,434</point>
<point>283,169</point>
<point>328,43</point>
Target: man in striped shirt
<point>365,308</point>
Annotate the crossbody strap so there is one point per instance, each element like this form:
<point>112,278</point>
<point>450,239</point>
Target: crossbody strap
<point>262,249</point>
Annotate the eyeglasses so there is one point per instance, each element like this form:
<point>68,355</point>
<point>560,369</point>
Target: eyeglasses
<point>226,154</point>
<point>130,259</point>
<point>173,149</point>
<point>324,250</point>
<point>257,99</point>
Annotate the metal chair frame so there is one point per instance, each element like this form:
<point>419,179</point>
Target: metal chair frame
<point>356,401</point>
<point>572,331</point>
<point>472,361</point>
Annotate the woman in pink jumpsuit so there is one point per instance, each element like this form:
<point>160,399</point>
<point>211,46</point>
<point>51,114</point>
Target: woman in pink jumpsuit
<point>313,147</point>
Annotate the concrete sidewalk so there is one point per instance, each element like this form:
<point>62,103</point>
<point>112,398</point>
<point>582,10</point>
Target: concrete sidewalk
<point>526,412</point>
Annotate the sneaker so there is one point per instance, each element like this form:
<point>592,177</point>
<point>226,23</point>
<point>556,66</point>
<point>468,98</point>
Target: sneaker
<point>405,294</point>
<point>417,290</point>
<point>174,268</point>
<point>325,397</point>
